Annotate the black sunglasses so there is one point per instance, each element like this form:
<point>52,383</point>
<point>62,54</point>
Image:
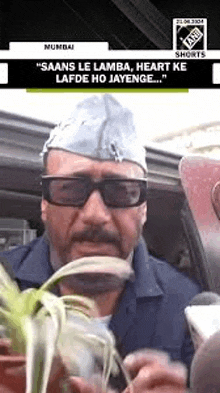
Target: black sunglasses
<point>75,191</point>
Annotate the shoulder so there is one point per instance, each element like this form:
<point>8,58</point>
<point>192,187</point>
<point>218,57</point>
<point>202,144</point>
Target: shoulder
<point>17,255</point>
<point>163,278</point>
<point>172,281</point>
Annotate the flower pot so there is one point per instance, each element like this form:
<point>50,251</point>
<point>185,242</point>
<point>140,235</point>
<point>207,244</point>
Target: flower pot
<point>12,369</point>
<point>13,374</point>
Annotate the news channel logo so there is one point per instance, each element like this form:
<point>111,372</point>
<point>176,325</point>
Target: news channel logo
<point>190,34</point>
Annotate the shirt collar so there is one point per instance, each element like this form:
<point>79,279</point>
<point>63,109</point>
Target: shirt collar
<point>145,283</point>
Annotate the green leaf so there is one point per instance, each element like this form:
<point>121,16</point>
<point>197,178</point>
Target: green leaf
<point>41,347</point>
<point>96,264</point>
<point>43,325</point>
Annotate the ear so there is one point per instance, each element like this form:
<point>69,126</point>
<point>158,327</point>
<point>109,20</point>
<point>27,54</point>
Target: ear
<point>44,206</point>
<point>144,213</point>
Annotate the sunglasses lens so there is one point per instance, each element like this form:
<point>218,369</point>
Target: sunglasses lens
<point>122,193</point>
<point>69,192</point>
<point>76,191</point>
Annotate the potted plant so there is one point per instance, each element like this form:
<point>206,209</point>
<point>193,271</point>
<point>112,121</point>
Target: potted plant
<point>52,337</point>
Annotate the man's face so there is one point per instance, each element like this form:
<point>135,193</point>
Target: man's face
<point>93,229</point>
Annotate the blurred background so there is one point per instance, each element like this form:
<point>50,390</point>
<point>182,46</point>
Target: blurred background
<point>178,122</point>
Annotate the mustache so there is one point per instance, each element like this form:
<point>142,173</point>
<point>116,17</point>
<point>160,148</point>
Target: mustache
<point>96,235</point>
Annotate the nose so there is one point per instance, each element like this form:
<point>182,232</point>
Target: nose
<point>95,212</point>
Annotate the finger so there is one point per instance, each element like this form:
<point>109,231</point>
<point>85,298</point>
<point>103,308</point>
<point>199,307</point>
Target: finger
<point>135,361</point>
<point>16,371</point>
<point>151,378</point>
<point>79,385</point>
<point>6,389</point>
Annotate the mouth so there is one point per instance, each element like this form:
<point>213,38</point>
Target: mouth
<point>96,239</point>
<point>94,247</point>
<point>97,274</point>
<point>94,283</point>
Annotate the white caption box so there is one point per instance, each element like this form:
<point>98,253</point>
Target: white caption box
<point>216,73</point>
<point>4,73</point>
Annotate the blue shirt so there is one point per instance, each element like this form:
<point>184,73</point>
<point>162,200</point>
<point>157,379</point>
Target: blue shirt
<point>150,313</point>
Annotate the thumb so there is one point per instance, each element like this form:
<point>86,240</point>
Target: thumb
<point>80,385</point>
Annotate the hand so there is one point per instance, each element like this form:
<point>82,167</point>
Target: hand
<point>80,385</point>
<point>152,371</point>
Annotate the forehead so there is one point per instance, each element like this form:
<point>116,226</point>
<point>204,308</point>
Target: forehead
<point>62,162</point>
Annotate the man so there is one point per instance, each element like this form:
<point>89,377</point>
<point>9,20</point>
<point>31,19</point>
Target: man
<point>94,203</point>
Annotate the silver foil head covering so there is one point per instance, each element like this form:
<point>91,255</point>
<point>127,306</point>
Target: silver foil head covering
<point>99,128</point>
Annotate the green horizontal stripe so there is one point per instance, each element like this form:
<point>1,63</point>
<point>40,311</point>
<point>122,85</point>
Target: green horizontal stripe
<point>107,90</point>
